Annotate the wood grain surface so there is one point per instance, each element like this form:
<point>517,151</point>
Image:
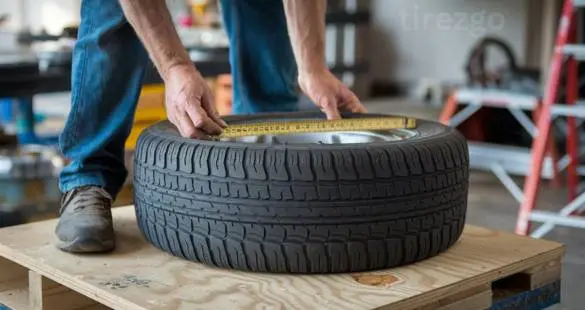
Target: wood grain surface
<point>139,276</point>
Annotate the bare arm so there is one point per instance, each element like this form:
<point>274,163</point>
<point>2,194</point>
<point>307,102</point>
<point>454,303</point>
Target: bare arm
<point>189,101</point>
<point>153,23</point>
<point>306,27</point>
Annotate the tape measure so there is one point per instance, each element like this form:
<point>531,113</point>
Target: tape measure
<point>310,126</point>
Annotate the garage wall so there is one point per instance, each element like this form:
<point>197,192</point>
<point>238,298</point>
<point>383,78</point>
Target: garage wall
<point>409,39</point>
<point>51,14</point>
<point>413,39</point>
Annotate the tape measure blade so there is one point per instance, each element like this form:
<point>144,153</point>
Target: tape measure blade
<point>305,126</point>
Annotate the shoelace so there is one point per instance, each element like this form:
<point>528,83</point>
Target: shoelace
<point>84,197</point>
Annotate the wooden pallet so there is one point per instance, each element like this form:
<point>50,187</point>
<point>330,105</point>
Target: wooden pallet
<point>485,269</point>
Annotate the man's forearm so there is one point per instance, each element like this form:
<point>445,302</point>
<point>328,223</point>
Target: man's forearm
<point>152,22</point>
<point>306,27</point>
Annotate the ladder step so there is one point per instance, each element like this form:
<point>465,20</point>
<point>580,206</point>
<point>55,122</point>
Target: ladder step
<point>576,50</point>
<point>577,110</point>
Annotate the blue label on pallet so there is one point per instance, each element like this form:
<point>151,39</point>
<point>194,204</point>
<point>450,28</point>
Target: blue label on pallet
<point>538,299</point>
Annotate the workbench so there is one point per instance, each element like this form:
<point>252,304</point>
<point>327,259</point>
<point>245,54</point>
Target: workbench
<point>484,270</point>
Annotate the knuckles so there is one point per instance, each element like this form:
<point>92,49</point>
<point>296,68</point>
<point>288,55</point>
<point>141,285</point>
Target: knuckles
<point>198,122</point>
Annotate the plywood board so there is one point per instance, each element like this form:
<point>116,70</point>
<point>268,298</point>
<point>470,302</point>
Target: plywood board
<point>139,276</point>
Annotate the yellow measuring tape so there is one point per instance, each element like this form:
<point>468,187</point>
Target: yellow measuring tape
<point>309,126</point>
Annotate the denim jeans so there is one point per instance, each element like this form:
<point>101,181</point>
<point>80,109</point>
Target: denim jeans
<point>108,67</point>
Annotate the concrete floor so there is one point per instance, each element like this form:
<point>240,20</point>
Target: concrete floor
<point>491,205</point>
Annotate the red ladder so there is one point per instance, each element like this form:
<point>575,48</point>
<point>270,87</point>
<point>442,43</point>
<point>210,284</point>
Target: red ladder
<point>565,217</point>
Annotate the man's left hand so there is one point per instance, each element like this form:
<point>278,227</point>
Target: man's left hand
<point>329,94</point>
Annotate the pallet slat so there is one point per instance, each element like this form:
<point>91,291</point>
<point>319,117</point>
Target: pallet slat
<point>13,285</point>
<point>475,298</point>
<point>139,276</point>
<point>46,294</point>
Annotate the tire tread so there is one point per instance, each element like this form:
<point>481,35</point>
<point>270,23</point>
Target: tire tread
<point>271,209</point>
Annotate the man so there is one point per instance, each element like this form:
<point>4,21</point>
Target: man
<point>275,45</point>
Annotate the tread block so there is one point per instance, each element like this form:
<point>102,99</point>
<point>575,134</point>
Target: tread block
<point>363,164</point>
<point>143,144</point>
<point>297,258</point>
<point>255,256</point>
<point>173,156</point>
<point>275,257</point>
<point>299,165</point>
<point>217,160</point>
<point>358,255</point>
<point>426,158</point>
<point>381,163</point>
<point>220,189</point>
<point>343,161</point>
<point>323,166</point>
<point>186,158</point>
<point>235,163</point>
<point>276,165</point>
<point>259,191</point>
<point>281,192</point>
<point>398,163</point>
<point>339,257</point>
<point>161,153</point>
<point>238,190</point>
<point>201,159</point>
<point>201,187</point>
<point>413,160</point>
<point>152,146</point>
<point>254,164</point>
<point>235,251</point>
<point>218,250</point>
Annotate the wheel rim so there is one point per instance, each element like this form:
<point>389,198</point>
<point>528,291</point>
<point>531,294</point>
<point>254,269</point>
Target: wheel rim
<point>336,137</point>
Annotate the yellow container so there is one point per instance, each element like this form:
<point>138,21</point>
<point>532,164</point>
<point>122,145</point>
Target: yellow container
<point>150,109</point>
<point>151,105</point>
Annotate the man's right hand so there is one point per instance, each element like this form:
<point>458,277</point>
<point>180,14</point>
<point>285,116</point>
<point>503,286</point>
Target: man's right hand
<point>189,103</point>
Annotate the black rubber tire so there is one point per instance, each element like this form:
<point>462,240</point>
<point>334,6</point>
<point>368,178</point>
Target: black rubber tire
<point>313,208</point>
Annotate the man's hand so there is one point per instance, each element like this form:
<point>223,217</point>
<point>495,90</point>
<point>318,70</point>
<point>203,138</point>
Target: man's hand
<point>306,27</point>
<point>330,94</point>
<point>189,103</point>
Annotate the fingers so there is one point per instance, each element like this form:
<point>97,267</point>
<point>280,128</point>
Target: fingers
<point>186,128</point>
<point>201,120</point>
<point>329,107</point>
<point>183,122</point>
<point>352,103</point>
<point>209,106</point>
<point>357,108</point>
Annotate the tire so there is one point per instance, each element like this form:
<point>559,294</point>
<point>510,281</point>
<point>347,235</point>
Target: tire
<point>302,208</point>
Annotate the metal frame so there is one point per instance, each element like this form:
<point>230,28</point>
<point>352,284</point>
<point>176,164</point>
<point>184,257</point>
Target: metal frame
<point>504,161</point>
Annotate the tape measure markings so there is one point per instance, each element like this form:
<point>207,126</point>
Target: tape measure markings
<point>310,126</point>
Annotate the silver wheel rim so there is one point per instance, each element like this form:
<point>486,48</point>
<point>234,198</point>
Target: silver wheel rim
<point>337,137</point>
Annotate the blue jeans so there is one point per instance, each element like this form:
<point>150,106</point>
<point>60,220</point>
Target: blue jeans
<point>108,67</point>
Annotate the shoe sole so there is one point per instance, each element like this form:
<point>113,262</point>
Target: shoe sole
<point>86,246</point>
